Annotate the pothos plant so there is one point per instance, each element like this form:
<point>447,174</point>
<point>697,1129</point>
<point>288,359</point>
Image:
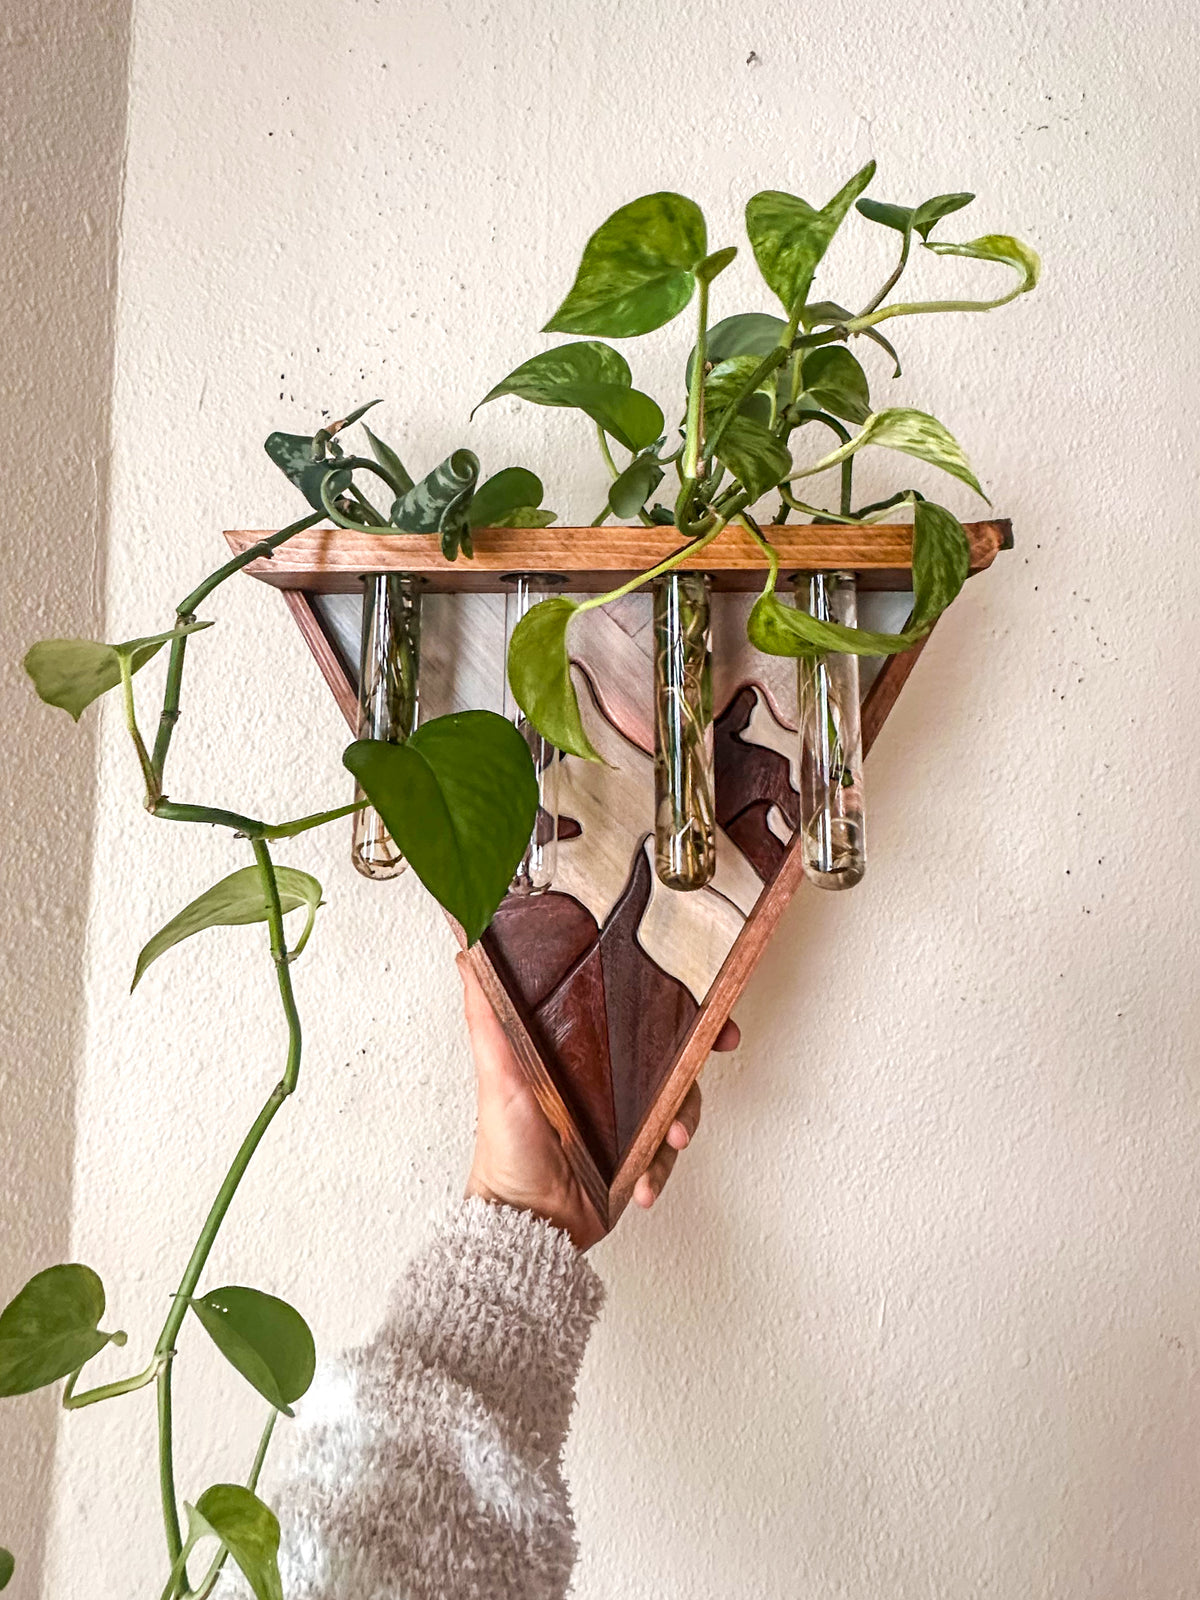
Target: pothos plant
<point>460,796</point>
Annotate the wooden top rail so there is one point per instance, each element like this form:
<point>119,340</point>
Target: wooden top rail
<point>333,560</point>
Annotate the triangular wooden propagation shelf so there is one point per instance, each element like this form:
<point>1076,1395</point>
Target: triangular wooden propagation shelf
<point>612,988</point>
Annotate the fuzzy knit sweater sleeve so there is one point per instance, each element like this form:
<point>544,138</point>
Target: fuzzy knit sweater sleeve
<point>428,1462</point>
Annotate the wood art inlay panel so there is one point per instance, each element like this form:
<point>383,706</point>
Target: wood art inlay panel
<point>609,969</point>
<point>612,987</point>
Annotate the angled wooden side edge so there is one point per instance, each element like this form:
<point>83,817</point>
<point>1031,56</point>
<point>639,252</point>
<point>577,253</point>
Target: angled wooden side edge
<point>741,961</point>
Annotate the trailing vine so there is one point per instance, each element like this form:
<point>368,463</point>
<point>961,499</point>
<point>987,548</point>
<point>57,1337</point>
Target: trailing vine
<point>460,795</point>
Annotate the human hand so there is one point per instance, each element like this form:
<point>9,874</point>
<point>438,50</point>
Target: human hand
<point>519,1158</point>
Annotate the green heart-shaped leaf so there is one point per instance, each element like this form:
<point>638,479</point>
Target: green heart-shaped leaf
<point>754,456</point>
<point>637,269</point>
<point>784,630</point>
<point>235,900</point>
<point>460,799</point>
<point>295,456</point>
<point>635,485</point>
<point>837,383</point>
<point>594,378</point>
<point>51,1328</point>
<point>543,377</point>
<point>898,217</point>
<point>789,237</point>
<point>915,433</point>
<point>7,1567</point>
<point>931,211</point>
<point>247,1528</point>
<point>941,562</point>
<point>264,1338</point>
<point>440,503</point>
<point>631,417</point>
<point>914,219</point>
<point>1000,247</point>
<point>918,434</point>
<point>71,673</point>
<point>539,674</point>
<point>508,492</point>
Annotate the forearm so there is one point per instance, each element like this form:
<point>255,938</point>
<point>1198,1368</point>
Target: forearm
<point>429,1462</point>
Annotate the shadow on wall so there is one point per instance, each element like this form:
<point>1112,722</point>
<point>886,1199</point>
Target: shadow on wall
<point>63,83</point>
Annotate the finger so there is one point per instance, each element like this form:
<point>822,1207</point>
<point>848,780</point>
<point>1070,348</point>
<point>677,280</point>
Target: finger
<point>729,1037</point>
<point>650,1185</point>
<point>683,1129</point>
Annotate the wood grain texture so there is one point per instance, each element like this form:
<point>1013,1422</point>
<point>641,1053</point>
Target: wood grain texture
<point>649,1010</point>
<point>573,1025</point>
<point>542,1084</point>
<point>333,560</point>
<point>610,1191</point>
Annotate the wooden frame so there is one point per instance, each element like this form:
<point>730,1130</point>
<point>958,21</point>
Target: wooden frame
<point>333,561</point>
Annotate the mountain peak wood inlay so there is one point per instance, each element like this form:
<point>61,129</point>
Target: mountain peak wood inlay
<point>611,987</point>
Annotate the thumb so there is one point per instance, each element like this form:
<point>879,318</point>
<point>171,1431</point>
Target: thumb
<point>497,1073</point>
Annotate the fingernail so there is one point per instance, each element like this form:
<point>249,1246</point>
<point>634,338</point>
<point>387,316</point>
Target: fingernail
<point>682,1137</point>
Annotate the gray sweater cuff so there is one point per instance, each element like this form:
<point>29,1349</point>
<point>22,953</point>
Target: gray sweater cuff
<point>503,1302</point>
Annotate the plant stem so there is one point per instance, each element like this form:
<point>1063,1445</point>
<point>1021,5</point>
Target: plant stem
<point>318,819</point>
<point>185,611</point>
<point>694,427</point>
<point>338,518</point>
<point>877,300</point>
<point>149,776</point>
<point>606,452</point>
<point>178,1568</point>
<point>671,562</point>
<point>186,608</point>
<point>220,1206</point>
<point>181,811</point>
<point>901,497</point>
<point>921,308</point>
<point>373,516</point>
<point>166,1473</point>
<point>791,503</point>
<point>108,1391</point>
<point>765,545</point>
<point>261,1453</point>
<point>774,358</point>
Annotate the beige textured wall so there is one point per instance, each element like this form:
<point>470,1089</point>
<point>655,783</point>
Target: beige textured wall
<point>918,1315</point>
<point>63,76</point>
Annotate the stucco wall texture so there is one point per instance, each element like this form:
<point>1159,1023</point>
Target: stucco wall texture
<point>918,1314</point>
<point>63,83</point>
